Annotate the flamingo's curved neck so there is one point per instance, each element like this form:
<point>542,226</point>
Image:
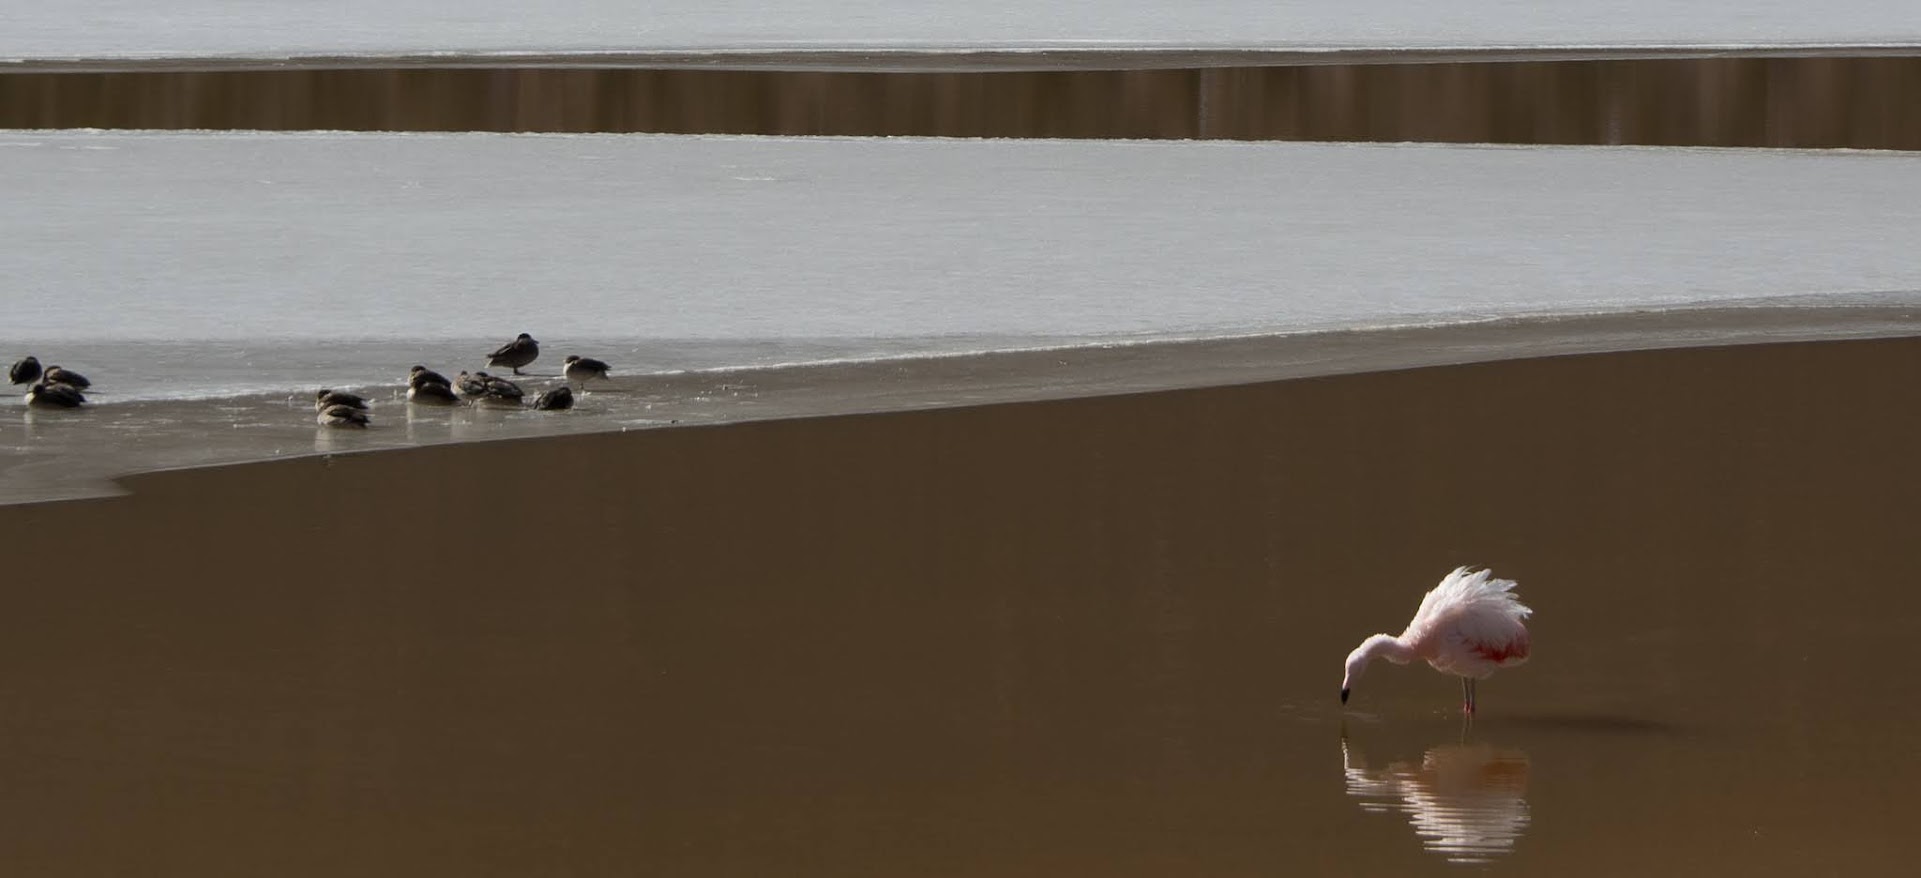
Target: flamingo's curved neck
<point>1389,647</point>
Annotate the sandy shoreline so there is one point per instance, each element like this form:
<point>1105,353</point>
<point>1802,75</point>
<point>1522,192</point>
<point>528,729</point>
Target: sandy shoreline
<point>63,455</point>
<point>1091,635</point>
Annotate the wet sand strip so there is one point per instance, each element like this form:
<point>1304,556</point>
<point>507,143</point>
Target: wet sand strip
<point>1790,99</point>
<point>1093,635</point>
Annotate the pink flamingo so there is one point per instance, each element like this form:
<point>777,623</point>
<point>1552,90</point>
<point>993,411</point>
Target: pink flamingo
<point>1468,626</point>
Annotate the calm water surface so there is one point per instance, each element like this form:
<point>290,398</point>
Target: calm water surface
<point>1087,636</point>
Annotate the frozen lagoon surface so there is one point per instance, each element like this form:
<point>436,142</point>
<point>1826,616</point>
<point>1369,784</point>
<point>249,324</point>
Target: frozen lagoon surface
<point>188,29</point>
<point>208,282</point>
<point>255,237</point>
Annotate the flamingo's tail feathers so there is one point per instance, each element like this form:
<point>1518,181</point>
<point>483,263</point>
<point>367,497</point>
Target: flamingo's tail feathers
<point>1467,588</point>
<point>1483,587</point>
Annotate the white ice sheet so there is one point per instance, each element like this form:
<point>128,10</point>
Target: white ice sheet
<point>438,236</point>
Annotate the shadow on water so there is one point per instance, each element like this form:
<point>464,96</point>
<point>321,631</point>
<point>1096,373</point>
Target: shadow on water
<point>1467,801</point>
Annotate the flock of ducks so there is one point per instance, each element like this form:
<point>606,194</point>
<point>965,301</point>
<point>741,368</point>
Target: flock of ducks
<point>55,387</point>
<point>427,387</point>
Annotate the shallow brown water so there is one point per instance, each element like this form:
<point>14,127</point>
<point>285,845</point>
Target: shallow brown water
<point>1095,636</point>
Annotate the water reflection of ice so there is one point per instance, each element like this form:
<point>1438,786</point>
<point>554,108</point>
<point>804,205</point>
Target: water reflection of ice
<point>1467,802</point>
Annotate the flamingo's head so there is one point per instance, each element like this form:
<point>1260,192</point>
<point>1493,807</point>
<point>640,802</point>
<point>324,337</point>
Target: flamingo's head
<point>1356,665</point>
<point>1378,645</point>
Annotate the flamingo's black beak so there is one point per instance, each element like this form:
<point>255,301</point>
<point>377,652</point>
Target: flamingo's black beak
<point>1343,696</point>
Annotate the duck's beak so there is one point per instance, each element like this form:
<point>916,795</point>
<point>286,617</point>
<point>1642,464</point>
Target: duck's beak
<point>1343,696</point>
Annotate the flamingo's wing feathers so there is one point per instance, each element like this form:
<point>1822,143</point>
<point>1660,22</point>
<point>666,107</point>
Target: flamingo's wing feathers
<point>1475,608</point>
<point>1485,637</point>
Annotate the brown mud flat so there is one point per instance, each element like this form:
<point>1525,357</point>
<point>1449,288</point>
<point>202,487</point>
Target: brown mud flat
<point>1085,636</point>
<point>1845,99</point>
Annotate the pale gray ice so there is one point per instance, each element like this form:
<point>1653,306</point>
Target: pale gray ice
<point>292,28</point>
<point>834,248</point>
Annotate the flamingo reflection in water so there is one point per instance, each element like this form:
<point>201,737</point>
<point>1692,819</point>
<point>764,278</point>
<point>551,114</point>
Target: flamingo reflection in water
<point>1467,802</point>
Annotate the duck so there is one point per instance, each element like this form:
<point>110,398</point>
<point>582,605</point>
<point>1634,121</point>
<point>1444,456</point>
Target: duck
<point>57,375</point>
<point>557,399</point>
<point>581,369</point>
<point>54,396</point>
<point>419,375</point>
<point>26,371</point>
<point>493,388</point>
<point>341,416</point>
<point>326,398</point>
<point>515,354</point>
<point>432,393</point>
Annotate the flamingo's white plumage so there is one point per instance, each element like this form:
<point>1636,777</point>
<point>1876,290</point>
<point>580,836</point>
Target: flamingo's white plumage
<point>1469,626</point>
